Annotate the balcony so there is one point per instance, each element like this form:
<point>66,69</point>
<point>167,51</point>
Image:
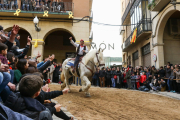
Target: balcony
<point>126,15</point>
<point>157,5</point>
<point>31,11</point>
<point>143,31</point>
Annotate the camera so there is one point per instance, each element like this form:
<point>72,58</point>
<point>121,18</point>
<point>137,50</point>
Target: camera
<point>16,50</point>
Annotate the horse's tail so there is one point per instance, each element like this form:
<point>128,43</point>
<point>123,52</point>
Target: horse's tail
<point>62,76</point>
<point>63,67</point>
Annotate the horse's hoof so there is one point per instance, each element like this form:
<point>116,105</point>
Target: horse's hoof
<point>88,95</point>
<point>80,90</point>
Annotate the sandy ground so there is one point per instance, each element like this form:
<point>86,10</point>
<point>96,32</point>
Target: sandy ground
<point>116,104</point>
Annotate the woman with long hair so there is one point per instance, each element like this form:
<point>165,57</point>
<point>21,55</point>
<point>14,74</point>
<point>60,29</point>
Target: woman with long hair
<point>22,66</point>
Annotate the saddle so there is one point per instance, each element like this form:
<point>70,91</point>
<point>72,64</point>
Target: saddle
<point>76,70</point>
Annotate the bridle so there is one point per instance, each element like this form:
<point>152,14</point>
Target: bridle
<point>99,61</point>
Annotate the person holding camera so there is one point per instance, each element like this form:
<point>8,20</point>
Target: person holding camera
<point>20,53</point>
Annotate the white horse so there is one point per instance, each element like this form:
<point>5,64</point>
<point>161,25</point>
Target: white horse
<point>86,69</point>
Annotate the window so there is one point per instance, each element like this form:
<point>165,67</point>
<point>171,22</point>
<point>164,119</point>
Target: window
<point>146,49</point>
<point>135,55</point>
<point>140,15</point>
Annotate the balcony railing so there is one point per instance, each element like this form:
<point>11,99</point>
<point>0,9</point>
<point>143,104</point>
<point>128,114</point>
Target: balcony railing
<point>127,11</point>
<point>143,27</point>
<point>30,7</point>
<point>157,5</point>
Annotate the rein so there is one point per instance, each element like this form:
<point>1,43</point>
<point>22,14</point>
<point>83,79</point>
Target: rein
<point>88,68</point>
<point>98,60</point>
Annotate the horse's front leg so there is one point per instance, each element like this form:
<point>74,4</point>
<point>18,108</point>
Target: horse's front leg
<point>67,76</point>
<point>87,84</point>
<point>87,93</point>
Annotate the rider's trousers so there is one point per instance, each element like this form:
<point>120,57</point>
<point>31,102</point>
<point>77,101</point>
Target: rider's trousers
<point>77,60</point>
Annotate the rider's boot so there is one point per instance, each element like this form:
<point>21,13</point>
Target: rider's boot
<point>73,70</point>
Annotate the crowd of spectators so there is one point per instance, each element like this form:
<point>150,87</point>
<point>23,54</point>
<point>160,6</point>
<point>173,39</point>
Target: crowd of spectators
<point>167,78</point>
<point>24,90</point>
<point>36,5</point>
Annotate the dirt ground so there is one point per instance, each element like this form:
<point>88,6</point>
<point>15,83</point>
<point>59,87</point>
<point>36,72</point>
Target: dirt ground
<point>116,104</point>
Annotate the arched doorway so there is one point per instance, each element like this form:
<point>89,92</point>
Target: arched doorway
<point>23,38</point>
<point>57,42</point>
<point>171,39</point>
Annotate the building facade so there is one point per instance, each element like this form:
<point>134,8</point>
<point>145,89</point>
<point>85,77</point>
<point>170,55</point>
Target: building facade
<point>158,27</point>
<point>56,28</point>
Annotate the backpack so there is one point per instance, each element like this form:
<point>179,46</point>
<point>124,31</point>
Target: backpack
<point>115,77</point>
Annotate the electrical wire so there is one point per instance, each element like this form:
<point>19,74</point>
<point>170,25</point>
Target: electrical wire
<point>74,21</point>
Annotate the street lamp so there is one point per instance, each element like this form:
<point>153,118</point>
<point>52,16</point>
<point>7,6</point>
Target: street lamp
<point>173,2</point>
<point>36,21</point>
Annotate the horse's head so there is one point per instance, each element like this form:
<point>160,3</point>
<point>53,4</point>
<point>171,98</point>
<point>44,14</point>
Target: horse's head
<point>99,58</point>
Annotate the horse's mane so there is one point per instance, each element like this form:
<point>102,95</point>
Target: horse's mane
<point>89,56</point>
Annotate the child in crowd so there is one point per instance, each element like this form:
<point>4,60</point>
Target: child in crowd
<point>3,53</point>
<point>124,85</point>
<point>133,81</point>
<point>138,80</point>
<point>143,78</point>
<point>25,102</point>
<point>159,77</point>
<point>162,84</point>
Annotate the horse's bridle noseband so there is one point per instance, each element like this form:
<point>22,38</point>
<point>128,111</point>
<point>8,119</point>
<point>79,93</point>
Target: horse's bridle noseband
<point>99,61</point>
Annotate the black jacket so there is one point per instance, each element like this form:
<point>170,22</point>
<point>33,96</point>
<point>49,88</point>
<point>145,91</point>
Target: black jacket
<point>108,74</point>
<point>113,72</point>
<point>102,73</point>
<point>118,73</point>
<point>27,106</point>
<point>56,71</point>
<point>9,44</point>
<point>17,42</point>
<point>44,66</point>
<point>168,72</point>
<point>162,73</point>
<point>48,95</point>
<point>21,56</point>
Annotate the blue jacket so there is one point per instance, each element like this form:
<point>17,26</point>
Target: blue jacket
<point>11,115</point>
<point>96,75</point>
<point>40,64</point>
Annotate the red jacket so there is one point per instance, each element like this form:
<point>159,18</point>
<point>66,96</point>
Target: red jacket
<point>143,78</point>
<point>124,81</point>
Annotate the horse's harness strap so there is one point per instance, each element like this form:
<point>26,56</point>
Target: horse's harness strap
<point>88,68</point>
<point>98,60</point>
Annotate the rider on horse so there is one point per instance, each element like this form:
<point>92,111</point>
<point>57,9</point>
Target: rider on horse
<point>81,51</point>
